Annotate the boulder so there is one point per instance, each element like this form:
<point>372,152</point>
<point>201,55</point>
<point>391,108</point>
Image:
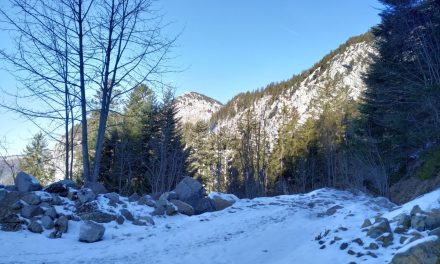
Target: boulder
<point>61,187</point>
<point>416,210</point>
<point>96,187</point>
<point>120,220</point>
<point>380,227</point>
<point>221,200</point>
<point>190,191</point>
<point>9,199</point>
<point>47,222</point>
<point>134,198</point>
<point>386,239</point>
<point>62,224</point>
<point>366,223</point>
<point>35,227</point>
<point>147,200</point>
<point>29,211</point>
<point>99,217</point>
<point>31,198</point>
<point>11,223</point>
<point>170,209</point>
<point>2,186</point>
<point>159,210</point>
<point>168,196</point>
<point>51,212</point>
<point>17,205</point>
<point>86,195</point>
<point>403,220</point>
<point>427,252</point>
<point>11,188</point>
<point>432,220</point>
<point>56,199</point>
<point>183,207</point>
<point>90,232</point>
<point>3,194</point>
<point>127,214</point>
<point>26,182</point>
<point>204,205</point>
<point>113,197</point>
<point>418,222</point>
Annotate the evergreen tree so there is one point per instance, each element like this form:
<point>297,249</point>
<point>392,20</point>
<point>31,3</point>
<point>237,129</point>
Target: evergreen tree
<point>37,160</point>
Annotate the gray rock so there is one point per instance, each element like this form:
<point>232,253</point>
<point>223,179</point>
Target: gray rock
<point>221,203</point>
<point>386,239</point>
<point>159,210</point>
<point>418,222</point>
<point>183,207</point>
<point>380,227</point>
<point>373,246</point>
<point>170,209</point>
<point>96,187</point>
<point>127,214</point>
<point>47,222</point>
<point>139,222</point>
<point>51,212</point>
<point>435,232</point>
<point>168,196</point>
<point>11,223</point>
<point>3,194</point>
<point>427,253</point>
<point>204,205</point>
<point>190,191</point>
<point>134,198</point>
<point>17,205</point>
<point>113,197</point>
<point>147,200</point>
<point>403,220</point>
<point>99,217</point>
<point>6,203</point>
<point>29,211</point>
<point>433,220</point>
<point>72,195</point>
<point>86,195</point>
<point>400,229</point>
<point>61,187</point>
<point>332,210</point>
<point>62,224</point>
<point>90,232</point>
<point>55,234</point>
<point>35,227</point>
<point>31,198</point>
<point>26,182</point>
<point>366,223</point>
<point>416,210</point>
<point>120,220</point>
<point>56,200</point>
<point>146,219</point>
<point>11,188</point>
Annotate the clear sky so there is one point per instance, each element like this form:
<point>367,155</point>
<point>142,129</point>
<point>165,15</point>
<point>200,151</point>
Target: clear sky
<point>231,46</point>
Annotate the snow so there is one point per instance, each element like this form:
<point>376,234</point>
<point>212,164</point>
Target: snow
<point>276,230</point>
<point>415,243</point>
<point>224,196</point>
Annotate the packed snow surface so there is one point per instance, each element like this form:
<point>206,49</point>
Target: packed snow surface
<point>276,230</point>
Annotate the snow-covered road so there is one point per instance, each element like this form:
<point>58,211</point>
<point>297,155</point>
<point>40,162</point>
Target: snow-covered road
<point>276,230</point>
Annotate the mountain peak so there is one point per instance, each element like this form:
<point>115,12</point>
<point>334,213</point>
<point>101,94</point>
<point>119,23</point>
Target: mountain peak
<point>193,107</point>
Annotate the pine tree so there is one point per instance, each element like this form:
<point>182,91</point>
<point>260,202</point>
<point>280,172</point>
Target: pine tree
<point>37,160</point>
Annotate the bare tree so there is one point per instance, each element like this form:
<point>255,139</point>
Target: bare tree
<point>67,49</point>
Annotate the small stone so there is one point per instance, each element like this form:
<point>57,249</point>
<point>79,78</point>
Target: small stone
<point>403,239</point>
<point>359,241</point>
<point>17,205</point>
<point>55,234</point>
<point>147,200</point>
<point>343,246</point>
<point>380,227</point>
<point>366,223</point>
<point>120,220</point>
<point>351,252</point>
<point>373,246</point>
<point>127,214</point>
<point>113,197</point>
<point>386,239</point>
<point>322,247</point>
<point>400,229</point>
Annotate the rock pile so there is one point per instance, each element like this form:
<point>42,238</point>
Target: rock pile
<point>27,206</point>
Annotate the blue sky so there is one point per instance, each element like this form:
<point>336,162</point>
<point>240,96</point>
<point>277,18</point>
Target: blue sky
<point>232,46</point>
